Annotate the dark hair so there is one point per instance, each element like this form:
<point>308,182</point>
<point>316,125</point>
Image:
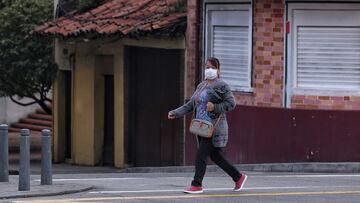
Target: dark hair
<point>215,62</point>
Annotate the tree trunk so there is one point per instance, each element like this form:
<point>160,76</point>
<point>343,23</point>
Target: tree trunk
<point>41,103</point>
<point>45,107</point>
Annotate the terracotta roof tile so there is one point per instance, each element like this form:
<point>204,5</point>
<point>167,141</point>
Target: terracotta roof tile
<point>117,16</point>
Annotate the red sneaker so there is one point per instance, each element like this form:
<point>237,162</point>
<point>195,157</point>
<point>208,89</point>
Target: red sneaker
<point>193,190</point>
<point>240,183</point>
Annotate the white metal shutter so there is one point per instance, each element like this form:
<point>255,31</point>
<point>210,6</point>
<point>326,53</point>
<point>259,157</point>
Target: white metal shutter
<point>230,46</point>
<point>228,38</point>
<point>328,57</point>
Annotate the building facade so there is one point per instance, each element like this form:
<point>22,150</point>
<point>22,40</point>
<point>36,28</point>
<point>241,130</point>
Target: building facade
<point>294,69</point>
<point>120,70</point>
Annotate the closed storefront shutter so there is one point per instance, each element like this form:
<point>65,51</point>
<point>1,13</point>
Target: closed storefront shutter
<point>231,47</point>
<point>328,57</point>
<point>323,49</point>
<point>228,38</point>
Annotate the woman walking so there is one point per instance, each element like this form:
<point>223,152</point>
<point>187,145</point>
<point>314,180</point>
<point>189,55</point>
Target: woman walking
<point>210,101</point>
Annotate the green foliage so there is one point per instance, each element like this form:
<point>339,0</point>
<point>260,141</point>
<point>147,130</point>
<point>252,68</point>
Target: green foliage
<point>4,3</point>
<point>178,7</point>
<point>27,67</point>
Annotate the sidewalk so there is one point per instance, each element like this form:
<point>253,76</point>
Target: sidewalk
<point>10,190</point>
<point>308,167</point>
<point>311,167</point>
<point>35,169</point>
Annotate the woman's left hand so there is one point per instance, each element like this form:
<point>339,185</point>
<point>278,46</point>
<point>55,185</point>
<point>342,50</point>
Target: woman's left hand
<point>209,107</point>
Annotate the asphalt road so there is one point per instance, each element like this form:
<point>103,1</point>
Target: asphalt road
<point>168,187</point>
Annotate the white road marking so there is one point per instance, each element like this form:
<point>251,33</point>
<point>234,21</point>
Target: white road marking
<point>220,189</point>
<point>311,176</point>
<point>187,196</point>
<point>256,176</point>
<point>90,179</point>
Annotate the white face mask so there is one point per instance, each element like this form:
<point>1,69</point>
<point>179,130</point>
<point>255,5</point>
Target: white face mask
<point>211,74</point>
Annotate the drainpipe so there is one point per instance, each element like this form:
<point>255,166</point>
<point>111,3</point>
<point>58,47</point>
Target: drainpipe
<point>286,103</point>
<point>56,3</point>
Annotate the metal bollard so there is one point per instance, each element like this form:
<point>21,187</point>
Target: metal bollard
<point>24,173</point>
<point>4,153</point>
<point>46,169</point>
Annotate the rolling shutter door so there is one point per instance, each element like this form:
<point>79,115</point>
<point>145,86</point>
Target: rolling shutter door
<point>328,57</point>
<point>230,45</point>
<point>228,39</point>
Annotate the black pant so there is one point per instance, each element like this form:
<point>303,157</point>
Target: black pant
<point>205,150</point>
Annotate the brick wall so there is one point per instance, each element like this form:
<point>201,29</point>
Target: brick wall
<point>268,52</point>
<point>268,64</point>
<point>268,60</point>
<point>192,46</point>
<point>326,102</point>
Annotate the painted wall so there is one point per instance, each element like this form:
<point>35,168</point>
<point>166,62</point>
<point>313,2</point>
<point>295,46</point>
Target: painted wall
<point>11,112</point>
<point>279,135</point>
<point>83,108</point>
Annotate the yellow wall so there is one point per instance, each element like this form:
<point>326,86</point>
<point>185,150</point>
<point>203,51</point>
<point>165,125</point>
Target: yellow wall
<point>88,96</point>
<point>58,125</point>
<point>119,109</point>
<point>83,112</point>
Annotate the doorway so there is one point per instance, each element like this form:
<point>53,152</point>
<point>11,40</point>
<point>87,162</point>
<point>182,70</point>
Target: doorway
<point>108,151</point>
<point>67,105</point>
<point>153,80</point>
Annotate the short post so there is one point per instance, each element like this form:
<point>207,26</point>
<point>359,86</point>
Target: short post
<point>46,168</point>
<point>4,153</point>
<point>24,173</point>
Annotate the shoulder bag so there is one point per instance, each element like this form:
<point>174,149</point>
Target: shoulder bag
<point>200,127</point>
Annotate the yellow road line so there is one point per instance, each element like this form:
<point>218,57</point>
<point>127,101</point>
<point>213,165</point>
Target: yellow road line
<point>356,192</point>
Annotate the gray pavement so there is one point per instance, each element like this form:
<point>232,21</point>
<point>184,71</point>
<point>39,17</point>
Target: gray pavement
<point>167,187</point>
<point>313,167</point>
<point>63,168</point>
<point>9,189</point>
<point>166,184</point>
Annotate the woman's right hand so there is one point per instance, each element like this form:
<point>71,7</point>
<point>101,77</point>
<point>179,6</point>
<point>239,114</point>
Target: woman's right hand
<point>171,116</point>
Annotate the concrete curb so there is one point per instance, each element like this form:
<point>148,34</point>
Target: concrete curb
<point>315,167</point>
<point>43,194</point>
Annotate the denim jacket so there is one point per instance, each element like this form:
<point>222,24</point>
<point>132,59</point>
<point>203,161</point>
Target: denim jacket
<point>221,96</point>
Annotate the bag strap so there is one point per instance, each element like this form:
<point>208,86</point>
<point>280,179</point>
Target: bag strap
<point>218,119</point>
<point>194,106</point>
